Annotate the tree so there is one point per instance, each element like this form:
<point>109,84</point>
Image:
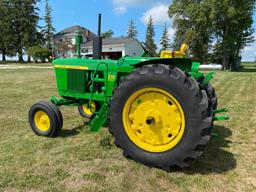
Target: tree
<point>150,37</point>
<point>38,52</point>
<point>6,32</point>
<point>227,22</point>
<point>3,24</point>
<point>165,39</point>
<point>63,47</point>
<point>31,17</point>
<point>19,30</point>
<point>24,20</point>
<point>107,34</point>
<point>132,31</point>
<point>48,29</point>
<point>233,29</point>
<point>193,23</point>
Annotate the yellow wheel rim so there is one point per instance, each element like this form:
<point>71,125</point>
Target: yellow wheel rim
<point>153,119</point>
<point>87,110</point>
<point>42,121</point>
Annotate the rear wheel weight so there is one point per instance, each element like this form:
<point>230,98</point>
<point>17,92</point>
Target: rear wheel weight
<point>150,83</point>
<point>153,119</point>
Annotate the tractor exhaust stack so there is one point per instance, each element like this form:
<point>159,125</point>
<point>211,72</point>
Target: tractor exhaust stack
<point>97,42</point>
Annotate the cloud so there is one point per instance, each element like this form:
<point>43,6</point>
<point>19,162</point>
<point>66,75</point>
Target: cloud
<point>171,33</point>
<point>132,2</point>
<point>159,14</point>
<point>121,6</point>
<point>120,10</point>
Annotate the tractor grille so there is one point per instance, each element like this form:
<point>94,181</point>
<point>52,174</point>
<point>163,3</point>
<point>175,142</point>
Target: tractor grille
<point>76,80</point>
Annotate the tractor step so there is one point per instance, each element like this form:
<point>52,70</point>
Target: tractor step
<point>220,117</point>
<point>223,110</point>
<point>99,119</point>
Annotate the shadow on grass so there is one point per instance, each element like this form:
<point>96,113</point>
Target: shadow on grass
<point>72,132</point>
<point>215,159</point>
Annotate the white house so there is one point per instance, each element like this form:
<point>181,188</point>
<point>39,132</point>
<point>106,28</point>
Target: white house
<point>69,34</point>
<point>115,48</point>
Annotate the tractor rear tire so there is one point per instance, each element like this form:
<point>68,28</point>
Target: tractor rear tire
<point>213,100</point>
<point>45,119</point>
<point>212,96</point>
<point>159,95</point>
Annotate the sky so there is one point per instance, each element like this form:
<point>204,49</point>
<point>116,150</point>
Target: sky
<point>116,15</point>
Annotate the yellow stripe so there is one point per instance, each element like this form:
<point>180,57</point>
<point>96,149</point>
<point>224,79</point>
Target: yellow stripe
<point>71,67</point>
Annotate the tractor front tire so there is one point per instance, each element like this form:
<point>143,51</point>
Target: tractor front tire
<point>85,111</point>
<point>45,119</point>
<point>160,117</point>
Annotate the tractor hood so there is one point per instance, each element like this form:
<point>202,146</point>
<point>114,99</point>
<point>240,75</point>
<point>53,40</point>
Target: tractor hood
<point>85,64</point>
<point>125,64</point>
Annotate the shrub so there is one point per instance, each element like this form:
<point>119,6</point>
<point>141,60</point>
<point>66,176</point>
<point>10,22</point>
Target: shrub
<point>39,53</point>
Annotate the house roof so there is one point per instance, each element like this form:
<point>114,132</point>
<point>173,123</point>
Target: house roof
<point>71,30</point>
<point>113,41</point>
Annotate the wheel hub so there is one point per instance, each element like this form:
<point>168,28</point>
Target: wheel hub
<point>87,110</point>
<point>156,120</point>
<point>42,121</point>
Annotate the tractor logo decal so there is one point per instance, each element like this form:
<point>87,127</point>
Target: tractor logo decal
<point>111,77</point>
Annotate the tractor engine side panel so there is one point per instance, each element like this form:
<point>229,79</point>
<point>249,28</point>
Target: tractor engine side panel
<point>71,80</point>
<point>76,81</point>
<point>61,78</point>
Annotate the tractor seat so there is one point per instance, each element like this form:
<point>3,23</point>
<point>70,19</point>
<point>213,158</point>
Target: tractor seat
<point>175,54</point>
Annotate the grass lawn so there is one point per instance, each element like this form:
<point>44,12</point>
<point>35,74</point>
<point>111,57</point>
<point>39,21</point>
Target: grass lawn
<point>76,161</point>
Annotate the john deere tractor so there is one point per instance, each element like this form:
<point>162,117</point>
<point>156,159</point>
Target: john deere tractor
<point>160,109</point>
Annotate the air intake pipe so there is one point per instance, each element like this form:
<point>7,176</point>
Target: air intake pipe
<point>97,42</point>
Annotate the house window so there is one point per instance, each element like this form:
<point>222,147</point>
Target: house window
<point>84,50</point>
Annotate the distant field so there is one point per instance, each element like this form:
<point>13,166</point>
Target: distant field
<point>249,64</point>
<point>76,161</point>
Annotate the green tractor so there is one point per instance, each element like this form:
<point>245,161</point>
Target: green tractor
<point>160,109</point>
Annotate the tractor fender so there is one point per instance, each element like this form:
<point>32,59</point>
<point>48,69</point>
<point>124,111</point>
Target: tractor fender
<point>184,64</point>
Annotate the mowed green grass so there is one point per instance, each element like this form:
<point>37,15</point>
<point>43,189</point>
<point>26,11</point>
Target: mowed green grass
<point>76,160</point>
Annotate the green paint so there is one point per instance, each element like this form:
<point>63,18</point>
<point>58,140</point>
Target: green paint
<point>220,110</point>
<point>100,119</point>
<point>80,80</point>
<point>208,77</point>
<point>221,118</point>
<point>63,101</point>
<point>79,41</point>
